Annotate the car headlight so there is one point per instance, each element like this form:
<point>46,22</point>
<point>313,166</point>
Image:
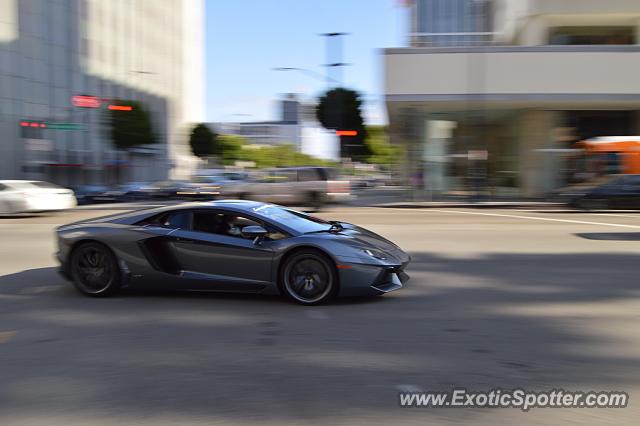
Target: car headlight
<point>375,253</point>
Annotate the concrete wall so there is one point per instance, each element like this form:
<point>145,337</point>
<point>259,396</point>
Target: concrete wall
<point>526,71</point>
<point>537,171</point>
<point>527,22</point>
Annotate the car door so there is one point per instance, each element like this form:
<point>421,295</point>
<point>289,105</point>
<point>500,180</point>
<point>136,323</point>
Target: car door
<point>285,186</point>
<point>614,192</point>
<point>208,252</point>
<point>630,193</point>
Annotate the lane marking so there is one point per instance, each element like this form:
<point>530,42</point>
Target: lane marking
<point>581,222</point>
<point>615,215</point>
<point>6,335</point>
<point>635,216</point>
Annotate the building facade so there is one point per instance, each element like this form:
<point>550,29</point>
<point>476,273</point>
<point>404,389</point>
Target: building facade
<point>494,93</point>
<point>55,51</point>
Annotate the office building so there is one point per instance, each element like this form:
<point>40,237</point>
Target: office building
<point>63,62</point>
<point>495,93</point>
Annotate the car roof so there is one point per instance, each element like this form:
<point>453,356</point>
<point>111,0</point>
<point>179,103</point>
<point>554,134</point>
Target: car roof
<point>235,205</point>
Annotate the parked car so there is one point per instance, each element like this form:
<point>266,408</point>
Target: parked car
<point>206,187</point>
<point>87,194</point>
<point>151,190</point>
<point>310,186</point>
<point>27,196</point>
<point>133,191</point>
<point>616,192</point>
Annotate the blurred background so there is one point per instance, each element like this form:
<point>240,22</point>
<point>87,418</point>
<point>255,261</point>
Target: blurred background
<point>360,109</point>
<point>476,99</point>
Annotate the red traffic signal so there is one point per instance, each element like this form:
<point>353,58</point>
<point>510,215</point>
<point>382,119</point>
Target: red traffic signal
<point>120,107</point>
<point>38,124</point>
<point>347,132</point>
<point>83,101</point>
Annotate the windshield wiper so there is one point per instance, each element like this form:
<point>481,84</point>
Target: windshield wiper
<point>334,228</point>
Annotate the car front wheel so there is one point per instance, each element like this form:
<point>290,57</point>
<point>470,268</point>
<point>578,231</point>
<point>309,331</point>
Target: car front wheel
<point>309,278</point>
<point>94,270</point>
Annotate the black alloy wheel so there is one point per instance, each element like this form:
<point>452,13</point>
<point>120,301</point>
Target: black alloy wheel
<point>95,270</point>
<point>309,278</point>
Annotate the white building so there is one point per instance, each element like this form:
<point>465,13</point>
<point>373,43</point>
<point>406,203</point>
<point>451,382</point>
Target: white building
<point>297,126</point>
<point>52,50</point>
<point>511,81</point>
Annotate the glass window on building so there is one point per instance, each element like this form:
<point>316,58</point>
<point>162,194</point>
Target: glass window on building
<point>452,22</point>
<point>595,35</point>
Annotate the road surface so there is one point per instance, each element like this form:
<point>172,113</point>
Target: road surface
<point>497,298</point>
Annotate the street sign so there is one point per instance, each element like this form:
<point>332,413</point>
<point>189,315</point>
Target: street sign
<point>66,126</point>
<point>83,101</point>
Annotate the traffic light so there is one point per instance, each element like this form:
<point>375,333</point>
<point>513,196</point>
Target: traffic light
<point>34,124</point>
<point>120,107</point>
<point>32,129</point>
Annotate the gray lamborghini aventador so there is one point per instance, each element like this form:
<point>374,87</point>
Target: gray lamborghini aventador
<point>234,246</point>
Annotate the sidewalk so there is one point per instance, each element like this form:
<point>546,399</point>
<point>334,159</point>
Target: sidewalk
<point>400,198</point>
<point>469,204</point>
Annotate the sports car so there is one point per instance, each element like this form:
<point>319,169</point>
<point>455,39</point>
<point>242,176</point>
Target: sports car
<point>230,246</point>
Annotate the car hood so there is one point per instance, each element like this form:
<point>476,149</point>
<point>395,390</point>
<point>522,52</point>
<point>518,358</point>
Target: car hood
<point>363,238</point>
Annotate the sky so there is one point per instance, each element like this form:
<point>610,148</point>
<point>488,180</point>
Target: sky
<point>245,40</point>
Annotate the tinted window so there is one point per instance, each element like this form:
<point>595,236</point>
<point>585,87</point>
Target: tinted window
<point>285,176</point>
<point>634,180</point>
<point>307,175</point>
<point>177,220</point>
<point>214,222</point>
<point>328,173</point>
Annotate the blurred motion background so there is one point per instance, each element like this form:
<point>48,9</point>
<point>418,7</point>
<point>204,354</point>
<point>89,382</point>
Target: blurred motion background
<point>491,96</point>
<point>482,99</point>
<point>66,64</point>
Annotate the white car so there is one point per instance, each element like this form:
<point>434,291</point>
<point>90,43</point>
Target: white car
<point>28,196</point>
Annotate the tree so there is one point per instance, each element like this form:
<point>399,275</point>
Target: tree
<point>130,127</point>
<point>236,148</point>
<point>383,152</point>
<point>230,148</point>
<point>340,109</point>
<point>203,141</point>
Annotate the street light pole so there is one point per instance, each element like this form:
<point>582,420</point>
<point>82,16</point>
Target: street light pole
<point>337,62</point>
<point>308,73</point>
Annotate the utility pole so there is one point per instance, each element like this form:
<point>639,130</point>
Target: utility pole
<point>334,57</point>
<point>334,61</point>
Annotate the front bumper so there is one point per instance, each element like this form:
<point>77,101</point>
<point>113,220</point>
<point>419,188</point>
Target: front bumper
<point>62,267</point>
<point>338,197</point>
<point>370,280</point>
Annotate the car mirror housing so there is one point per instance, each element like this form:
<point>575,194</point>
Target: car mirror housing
<point>254,231</point>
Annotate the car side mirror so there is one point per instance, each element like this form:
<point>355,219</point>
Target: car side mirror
<point>254,231</point>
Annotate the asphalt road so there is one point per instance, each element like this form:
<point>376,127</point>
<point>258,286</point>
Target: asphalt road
<point>498,298</point>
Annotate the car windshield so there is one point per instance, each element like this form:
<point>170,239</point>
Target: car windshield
<point>41,184</point>
<point>298,221</point>
<point>32,184</point>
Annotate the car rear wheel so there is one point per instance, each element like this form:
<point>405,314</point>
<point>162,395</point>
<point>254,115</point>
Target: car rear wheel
<point>309,278</point>
<point>94,270</point>
<point>593,204</point>
<point>314,200</point>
